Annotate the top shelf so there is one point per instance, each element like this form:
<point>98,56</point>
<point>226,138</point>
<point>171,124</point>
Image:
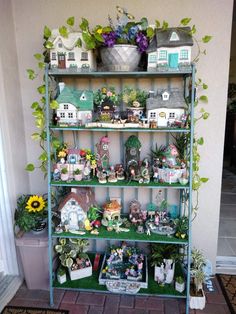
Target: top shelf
<point>138,74</point>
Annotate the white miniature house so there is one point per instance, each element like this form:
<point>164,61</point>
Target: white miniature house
<point>170,50</point>
<point>75,106</point>
<point>73,215</point>
<point>166,108</point>
<point>67,54</point>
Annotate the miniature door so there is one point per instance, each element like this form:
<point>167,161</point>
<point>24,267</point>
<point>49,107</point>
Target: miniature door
<point>61,61</point>
<point>173,60</point>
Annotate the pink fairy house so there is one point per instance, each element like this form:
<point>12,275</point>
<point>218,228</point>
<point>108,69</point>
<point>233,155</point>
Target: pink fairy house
<point>103,153</point>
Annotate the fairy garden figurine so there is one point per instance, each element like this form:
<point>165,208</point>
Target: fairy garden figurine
<point>112,175</point>
<point>135,215</point>
<point>103,153</point>
<point>102,176</point>
<point>120,172</point>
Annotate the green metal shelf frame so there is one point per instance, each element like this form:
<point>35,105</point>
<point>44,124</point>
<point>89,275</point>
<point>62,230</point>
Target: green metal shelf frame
<point>121,75</point>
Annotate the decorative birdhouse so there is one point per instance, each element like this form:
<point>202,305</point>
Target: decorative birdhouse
<point>66,53</point>
<point>170,50</point>
<point>75,106</point>
<point>103,153</point>
<point>133,148</point>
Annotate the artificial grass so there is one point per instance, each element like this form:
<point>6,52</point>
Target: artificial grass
<point>132,235</point>
<point>91,283</point>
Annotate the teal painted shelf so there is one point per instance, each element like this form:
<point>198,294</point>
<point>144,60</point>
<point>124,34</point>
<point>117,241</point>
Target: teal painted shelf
<point>132,235</point>
<point>91,284</point>
<point>120,184</point>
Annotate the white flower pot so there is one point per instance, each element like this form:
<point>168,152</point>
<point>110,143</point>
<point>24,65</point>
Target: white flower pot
<point>78,177</point>
<point>61,278</point>
<point>179,286</point>
<point>197,302</point>
<point>80,273</point>
<point>64,176</point>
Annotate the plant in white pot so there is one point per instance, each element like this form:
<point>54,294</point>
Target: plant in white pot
<point>61,274</point>
<point>78,176</point>
<point>64,174</point>
<point>179,284</point>
<point>197,296</point>
<point>163,258</point>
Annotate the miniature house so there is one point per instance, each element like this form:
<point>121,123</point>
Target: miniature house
<point>132,149</point>
<point>167,108</point>
<point>75,106</point>
<point>103,153</point>
<point>170,49</point>
<point>66,52</point>
<point>72,214</point>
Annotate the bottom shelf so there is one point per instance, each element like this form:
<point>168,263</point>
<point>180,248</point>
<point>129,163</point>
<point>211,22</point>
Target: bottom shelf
<point>91,283</point>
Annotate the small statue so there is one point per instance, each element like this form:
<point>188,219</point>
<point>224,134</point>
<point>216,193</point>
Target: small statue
<point>145,171</point>
<point>120,172</point>
<point>87,171</point>
<point>112,175</point>
<point>102,176</point>
<point>135,215</point>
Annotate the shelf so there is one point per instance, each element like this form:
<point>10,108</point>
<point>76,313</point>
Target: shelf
<point>132,235</point>
<point>120,184</point>
<point>91,284</point>
<point>137,74</point>
<point>158,130</point>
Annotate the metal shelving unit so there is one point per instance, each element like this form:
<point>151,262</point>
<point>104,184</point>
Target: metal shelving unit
<point>104,234</point>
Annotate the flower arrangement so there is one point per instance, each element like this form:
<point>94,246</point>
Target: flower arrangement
<point>30,209</point>
<point>124,31</point>
<point>104,94</point>
<point>134,97</point>
<point>89,156</point>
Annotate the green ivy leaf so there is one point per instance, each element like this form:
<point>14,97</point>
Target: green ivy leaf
<point>144,23</point>
<point>31,74</point>
<point>35,136</point>
<point>79,43</point>
<point>204,86</point>
<point>43,135</point>
<point>43,156</point>
<point>203,98</point>
<point>193,30</point>
<point>39,122</point>
<point>43,100</point>
<point>157,23</point>
<point>205,115</point>
<point>35,105</point>
<point>150,32</point>
<point>56,143</point>
<point>63,31</point>
<point>99,37</point>
<point>41,65</point>
<point>206,38</point>
<point>185,21</point>
<point>165,25</point>
<point>49,44</point>
<point>89,41</point>
<point>30,167</point>
<point>38,56</point>
<point>46,32</point>
<point>200,141</point>
<point>71,21</point>
<point>84,24</point>
<point>41,89</point>
<point>204,180</point>
<point>54,104</point>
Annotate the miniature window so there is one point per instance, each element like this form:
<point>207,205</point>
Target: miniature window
<point>66,107</point>
<point>184,54</point>
<point>59,45</point>
<point>171,115</point>
<point>153,115</point>
<point>165,96</point>
<point>83,97</point>
<point>152,59</point>
<point>71,56</point>
<point>62,114</point>
<point>73,203</point>
<point>174,36</point>
<point>70,115</point>
<point>162,55</point>
<point>84,56</point>
<point>54,56</point>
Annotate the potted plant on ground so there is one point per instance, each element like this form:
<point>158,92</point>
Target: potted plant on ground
<point>72,255</point>
<point>61,274</point>
<point>64,174</point>
<point>197,296</point>
<point>30,214</point>
<point>78,175</point>
<point>179,284</point>
<point>163,258</point>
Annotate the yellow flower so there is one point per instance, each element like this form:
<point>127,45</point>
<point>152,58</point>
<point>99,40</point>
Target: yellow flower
<point>88,157</point>
<point>62,154</point>
<point>99,31</point>
<point>35,204</point>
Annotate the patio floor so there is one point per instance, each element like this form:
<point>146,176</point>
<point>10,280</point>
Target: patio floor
<point>97,303</point>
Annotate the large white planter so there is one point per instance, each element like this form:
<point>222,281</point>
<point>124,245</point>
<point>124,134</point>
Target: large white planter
<point>120,58</point>
<point>80,273</point>
<point>165,273</point>
<point>197,303</point>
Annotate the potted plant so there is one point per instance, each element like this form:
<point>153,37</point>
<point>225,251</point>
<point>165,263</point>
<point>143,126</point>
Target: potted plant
<point>78,174</point>
<point>121,43</point>
<point>179,284</point>
<point>163,258</point>
<point>61,274</point>
<point>30,214</point>
<point>64,174</point>
<point>181,224</point>
<point>72,255</point>
<point>197,296</point>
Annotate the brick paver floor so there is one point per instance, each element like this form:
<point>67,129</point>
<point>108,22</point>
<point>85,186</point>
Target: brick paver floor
<point>101,303</point>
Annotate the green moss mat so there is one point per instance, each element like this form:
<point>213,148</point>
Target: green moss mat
<point>91,283</point>
<point>125,184</point>
<point>132,235</point>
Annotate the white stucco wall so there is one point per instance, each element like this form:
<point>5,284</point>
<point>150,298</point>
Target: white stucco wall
<point>211,17</point>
